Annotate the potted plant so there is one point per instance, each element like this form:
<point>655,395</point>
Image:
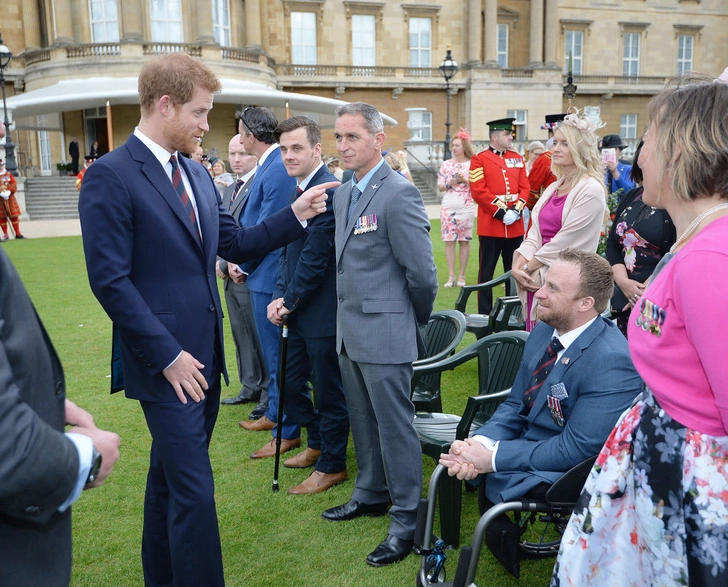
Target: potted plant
<point>64,168</point>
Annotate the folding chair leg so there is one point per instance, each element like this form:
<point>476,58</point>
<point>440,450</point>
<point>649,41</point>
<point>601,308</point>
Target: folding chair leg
<point>451,491</point>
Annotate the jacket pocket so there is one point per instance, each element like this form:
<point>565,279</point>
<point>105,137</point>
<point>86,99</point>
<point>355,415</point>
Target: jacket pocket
<point>169,319</point>
<point>382,306</point>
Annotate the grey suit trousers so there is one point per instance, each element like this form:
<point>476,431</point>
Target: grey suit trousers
<point>388,452</point>
<point>248,353</point>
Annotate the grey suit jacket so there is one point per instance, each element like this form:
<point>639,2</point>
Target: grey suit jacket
<point>386,278</point>
<point>227,195</point>
<point>597,374</point>
<point>38,464</point>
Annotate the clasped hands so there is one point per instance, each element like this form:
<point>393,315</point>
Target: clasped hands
<point>313,201</point>
<point>467,459</point>
<point>276,311</point>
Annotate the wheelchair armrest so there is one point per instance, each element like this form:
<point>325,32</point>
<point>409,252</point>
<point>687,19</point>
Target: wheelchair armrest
<point>466,290</point>
<point>566,490</point>
<point>474,405</point>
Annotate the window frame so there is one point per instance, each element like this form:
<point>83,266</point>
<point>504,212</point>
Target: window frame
<point>221,8</point>
<point>167,21</point>
<point>628,126</point>
<point>502,56</point>
<point>106,21</point>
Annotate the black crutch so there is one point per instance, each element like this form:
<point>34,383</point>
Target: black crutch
<point>281,376</point>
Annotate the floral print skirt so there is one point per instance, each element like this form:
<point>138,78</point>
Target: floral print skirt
<point>654,510</point>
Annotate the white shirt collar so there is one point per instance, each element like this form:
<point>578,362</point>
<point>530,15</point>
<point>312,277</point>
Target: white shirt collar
<point>248,175</point>
<point>159,152</point>
<point>568,338</point>
<point>265,155</point>
<point>303,184</point>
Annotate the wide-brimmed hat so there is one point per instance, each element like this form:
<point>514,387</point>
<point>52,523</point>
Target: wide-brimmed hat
<point>613,142</point>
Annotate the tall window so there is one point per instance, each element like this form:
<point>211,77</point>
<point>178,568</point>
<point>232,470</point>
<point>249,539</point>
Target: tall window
<point>420,32</point>
<point>104,21</point>
<point>363,37</point>
<point>628,126</point>
<point>520,124</point>
<point>44,147</point>
<point>426,133</point>
<point>303,38</point>
<point>574,51</point>
<point>503,45</point>
<point>685,53</point>
<point>221,22</point>
<point>631,55</point>
<point>167,21</point>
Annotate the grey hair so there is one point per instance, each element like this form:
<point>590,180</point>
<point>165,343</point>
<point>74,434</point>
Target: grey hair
<point>374,121</point>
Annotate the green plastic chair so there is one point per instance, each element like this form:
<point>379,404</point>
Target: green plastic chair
<point>507,313</point>
<point>499,358</point>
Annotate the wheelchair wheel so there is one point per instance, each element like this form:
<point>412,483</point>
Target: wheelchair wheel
<point>429,570</point>
<point>542,539</point>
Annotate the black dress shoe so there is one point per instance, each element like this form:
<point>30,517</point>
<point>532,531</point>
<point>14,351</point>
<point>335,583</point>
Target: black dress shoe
<point>241,398</point>
<point>258,412</point>
<point>392,550</point>
<point>354,509</point>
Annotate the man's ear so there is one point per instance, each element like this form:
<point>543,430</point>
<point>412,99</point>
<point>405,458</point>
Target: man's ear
<point>587,303</point>
<point>164,105</point>
<point>379,139</point>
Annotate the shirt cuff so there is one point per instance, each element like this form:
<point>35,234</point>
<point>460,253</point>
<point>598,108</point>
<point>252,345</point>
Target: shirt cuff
<point>85,447</point>
<point>491,445</point>
<point>180,353</point>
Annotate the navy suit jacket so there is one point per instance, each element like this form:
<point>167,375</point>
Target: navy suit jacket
<point>601,383</point>
<point>307,271</point>
<point>269,192</point>
<point>150,272</point>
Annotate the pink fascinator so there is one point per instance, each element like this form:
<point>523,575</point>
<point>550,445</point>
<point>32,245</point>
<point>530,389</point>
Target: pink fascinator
<point>463,134</point>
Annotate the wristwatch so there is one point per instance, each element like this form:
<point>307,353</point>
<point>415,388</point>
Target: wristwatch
<point>95,467</point>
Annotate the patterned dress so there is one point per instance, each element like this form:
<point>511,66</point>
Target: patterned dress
<point>458,209</point>
<point>654,510</point>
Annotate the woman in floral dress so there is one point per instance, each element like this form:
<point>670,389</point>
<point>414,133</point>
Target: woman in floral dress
<point>458,209</point>
<point>640,236</point>
<point>654,510</point>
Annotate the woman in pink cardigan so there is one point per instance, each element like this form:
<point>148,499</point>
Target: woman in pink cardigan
<point>570,213</point>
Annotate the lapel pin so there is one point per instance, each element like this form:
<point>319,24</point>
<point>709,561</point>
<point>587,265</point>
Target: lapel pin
<point>374,186</point>
<point>565,361</point>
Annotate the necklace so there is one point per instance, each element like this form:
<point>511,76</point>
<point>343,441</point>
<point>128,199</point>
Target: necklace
<point>695,223</point>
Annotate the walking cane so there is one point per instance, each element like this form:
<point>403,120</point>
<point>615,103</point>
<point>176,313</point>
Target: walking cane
<point>6,209</point>
<point>281,376</point>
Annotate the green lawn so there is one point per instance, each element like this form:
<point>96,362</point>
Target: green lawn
<point>267,538</point>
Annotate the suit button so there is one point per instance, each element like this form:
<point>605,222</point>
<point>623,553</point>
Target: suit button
<point>59,388</point>
<point>212,307</point>
<point>32,510</point>
<point>341,298</point>
<point>341,270</point>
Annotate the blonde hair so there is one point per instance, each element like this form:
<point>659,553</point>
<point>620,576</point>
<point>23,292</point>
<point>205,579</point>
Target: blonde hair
<point>393,161</point>
<point>581,137</point>
<point>690,119</point>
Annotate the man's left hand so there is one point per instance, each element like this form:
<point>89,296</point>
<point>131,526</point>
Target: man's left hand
<point>467,459</point>
<point>313,201</point>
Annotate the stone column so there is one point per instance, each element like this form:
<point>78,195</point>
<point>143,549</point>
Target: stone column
<point>203,14</point>
<point>81,33</point>
<point>132,21</point>
<point>475,32</point>
<point>552,33</point>
<point>64,26</point>
<point>491,33</point>
<point>253,24</point>
<point>536,37</point>
<point>31,25</point>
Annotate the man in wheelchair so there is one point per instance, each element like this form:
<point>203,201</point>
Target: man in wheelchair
<point>575,380</point>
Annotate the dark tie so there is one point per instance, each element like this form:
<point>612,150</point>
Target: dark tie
<point>355,195</point>
<point>179,187</point>
<point>299,191</point>
<point>238,186</point>
<point>541,372</point>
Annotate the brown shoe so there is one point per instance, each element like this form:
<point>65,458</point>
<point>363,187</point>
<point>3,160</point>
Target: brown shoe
<point>303,460</point>
<point>269,449</point>
<point>318,482</point>
<point>261,424</point>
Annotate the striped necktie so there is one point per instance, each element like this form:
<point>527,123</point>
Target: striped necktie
<point>238,187</point>
<point>541,372</point>
<point>179,187</point>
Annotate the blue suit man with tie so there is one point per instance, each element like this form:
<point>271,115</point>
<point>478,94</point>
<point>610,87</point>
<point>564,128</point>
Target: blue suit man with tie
<point>270,191</point>
<point>153,225</point>
<point>575,380</point>
<point>306,291</point>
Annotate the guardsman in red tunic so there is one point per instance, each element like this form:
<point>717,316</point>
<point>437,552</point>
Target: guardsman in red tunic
<point>499,186</point>
<point>86,162</point>
<point>541,175</point>
<point>9,209</point>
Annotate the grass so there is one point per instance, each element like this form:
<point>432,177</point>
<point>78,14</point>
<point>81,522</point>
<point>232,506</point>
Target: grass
<point>267,538</point>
